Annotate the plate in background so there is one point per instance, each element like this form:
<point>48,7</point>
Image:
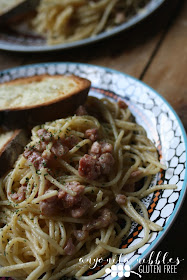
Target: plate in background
<point>25,42</point>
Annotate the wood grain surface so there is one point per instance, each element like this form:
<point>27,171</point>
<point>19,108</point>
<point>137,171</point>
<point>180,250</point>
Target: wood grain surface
<point>167,71</point>
<point>154,51</point>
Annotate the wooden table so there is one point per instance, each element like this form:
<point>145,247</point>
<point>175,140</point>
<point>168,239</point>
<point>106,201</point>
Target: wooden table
<point>155,52</point>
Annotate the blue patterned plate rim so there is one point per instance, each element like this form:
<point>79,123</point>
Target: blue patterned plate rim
<point>181,198</point>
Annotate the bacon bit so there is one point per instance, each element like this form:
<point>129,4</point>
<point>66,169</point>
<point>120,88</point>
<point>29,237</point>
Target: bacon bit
<point>136,173</point>
<point>73,186</point>
<point>121,199</point>
<point>105,219</point>
<point>81,111</point>
<point>95,148</point>
<point>89,168</point>
<point>44,135</point>
<point>34,157</point>
<point>101,148</point>
<point>106,148</point>
<point>49,206</point>
<point>78,212</point>
<point>106,161</point>
<point>70,141</point>
<point>20,195</point>
<point>69,249</point>
<point>40,147</point>
<point>76,205</point>
<point>69,200</point>
<point>80,235</point>
<point>58,149</point>
<point>98,162</point>
<point>119,18</point>
<point>122,104</point>
<point>92,134</point>
<point>40,157</point>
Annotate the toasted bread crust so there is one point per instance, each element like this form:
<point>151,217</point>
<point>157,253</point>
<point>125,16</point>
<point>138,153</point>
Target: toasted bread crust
<point>47,111</point>
<point>82,85</point>
<point>10,151</point>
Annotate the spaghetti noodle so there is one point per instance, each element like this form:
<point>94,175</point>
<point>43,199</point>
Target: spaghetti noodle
<point>63,21</point>
<point>74,192</point>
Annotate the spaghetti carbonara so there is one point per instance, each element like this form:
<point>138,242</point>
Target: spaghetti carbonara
<point>63,21</point>
<point>74,192</point>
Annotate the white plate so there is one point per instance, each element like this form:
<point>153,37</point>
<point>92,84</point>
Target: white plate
<point>162,125</point>
<point>23,42</point>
